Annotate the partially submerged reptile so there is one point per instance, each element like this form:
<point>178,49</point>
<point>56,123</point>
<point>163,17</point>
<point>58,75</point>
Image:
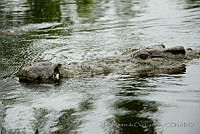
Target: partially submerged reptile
<point>149,61</point>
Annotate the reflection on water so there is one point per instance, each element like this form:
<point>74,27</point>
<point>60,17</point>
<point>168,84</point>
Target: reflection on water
<point>67,122</point>
<point>77,30</point>
<point>84,9</point>
<point>133,120</point>
<point>135,114</point>
<point>44,11</point>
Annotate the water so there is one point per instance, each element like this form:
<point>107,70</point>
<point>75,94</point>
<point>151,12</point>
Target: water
<point>69,30</point>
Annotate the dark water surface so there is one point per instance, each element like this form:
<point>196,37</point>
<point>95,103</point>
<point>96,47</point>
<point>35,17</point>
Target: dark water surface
<point>70,30</point>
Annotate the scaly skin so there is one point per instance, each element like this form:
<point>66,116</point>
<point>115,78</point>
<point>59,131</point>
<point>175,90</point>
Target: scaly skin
<point>149,61</point>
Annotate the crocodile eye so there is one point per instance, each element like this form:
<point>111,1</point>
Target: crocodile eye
<point>143,56</point>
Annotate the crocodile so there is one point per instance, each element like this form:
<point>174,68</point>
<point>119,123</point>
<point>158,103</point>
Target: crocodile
<point>143,62</point>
